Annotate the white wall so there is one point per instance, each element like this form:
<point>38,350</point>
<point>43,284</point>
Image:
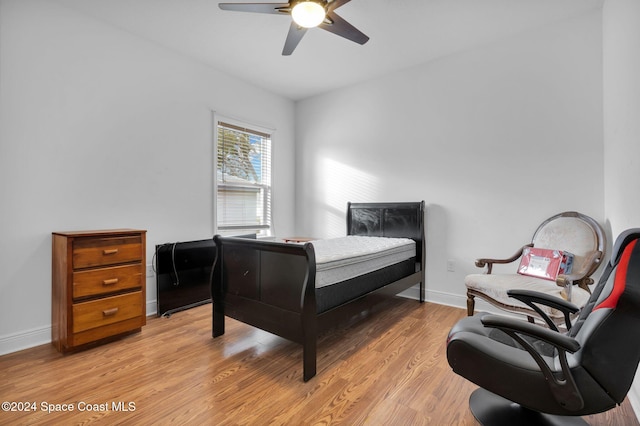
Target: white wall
<point>101,129</point>
<point>621,35</point>
<point>621,41</point>
<point>495,140</point>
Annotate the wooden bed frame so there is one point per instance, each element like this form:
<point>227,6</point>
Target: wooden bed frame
<point>271,285</point>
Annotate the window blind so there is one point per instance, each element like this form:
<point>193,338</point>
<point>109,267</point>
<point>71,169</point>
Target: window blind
<point>243,179</point>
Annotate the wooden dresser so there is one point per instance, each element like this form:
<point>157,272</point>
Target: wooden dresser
<point>98,286</point>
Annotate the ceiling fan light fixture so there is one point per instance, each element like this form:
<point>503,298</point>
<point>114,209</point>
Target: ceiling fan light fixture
<point>308,14</point>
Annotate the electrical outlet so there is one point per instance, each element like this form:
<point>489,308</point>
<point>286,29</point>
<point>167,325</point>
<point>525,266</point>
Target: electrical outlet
<point>451,265</point>
<point>150,273</point>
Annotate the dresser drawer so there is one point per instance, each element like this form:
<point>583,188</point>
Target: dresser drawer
<point>95,282</point>
<point>89,252</point>
<point>108,310</point>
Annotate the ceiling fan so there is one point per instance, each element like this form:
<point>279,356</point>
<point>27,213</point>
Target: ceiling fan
<point>306,14</point>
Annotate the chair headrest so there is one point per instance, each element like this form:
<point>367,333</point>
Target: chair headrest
<point>621,243</point>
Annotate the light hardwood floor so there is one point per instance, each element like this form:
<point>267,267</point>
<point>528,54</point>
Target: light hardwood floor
<point>387,369</point>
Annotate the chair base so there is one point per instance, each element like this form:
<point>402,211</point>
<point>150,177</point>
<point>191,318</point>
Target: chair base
<point>490,409</point>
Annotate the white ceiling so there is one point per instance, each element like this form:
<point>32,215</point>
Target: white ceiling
<point>402,33</point>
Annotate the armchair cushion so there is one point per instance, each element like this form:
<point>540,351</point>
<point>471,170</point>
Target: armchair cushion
<point>495,286</point>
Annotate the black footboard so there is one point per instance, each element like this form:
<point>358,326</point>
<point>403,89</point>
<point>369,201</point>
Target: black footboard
<point>271,285</point>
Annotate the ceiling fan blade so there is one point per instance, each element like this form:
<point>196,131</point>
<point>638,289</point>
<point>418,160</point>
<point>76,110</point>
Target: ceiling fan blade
<point>344,29</point>
<point>273,8</point>
<point>336,4</point>
<point>293,38</point>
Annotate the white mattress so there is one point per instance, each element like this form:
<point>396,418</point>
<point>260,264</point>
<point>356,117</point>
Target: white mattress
<point>340,259</point>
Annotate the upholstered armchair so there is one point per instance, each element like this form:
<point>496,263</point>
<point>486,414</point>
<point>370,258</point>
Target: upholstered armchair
<point>571,232</point>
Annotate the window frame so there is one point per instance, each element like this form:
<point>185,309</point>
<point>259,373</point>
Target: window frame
<point>264,230</point>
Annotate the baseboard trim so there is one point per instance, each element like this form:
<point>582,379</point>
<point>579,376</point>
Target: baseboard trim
<point>457,301</point>
<point>152,308</point>
<point>453,300</point>
<point>42,335</point>
<point>634,397</point>
<point>25,340</point>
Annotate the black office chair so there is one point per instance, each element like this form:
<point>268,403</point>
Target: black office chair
<point>530,374</point>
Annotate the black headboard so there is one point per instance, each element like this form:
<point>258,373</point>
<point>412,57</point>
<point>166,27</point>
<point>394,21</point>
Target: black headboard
<point>388,220</point>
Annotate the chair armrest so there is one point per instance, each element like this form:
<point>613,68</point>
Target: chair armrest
<point>563,389</point>
<point>531,298</point>
<point>565,279</point>
<point>581,277</point>
<point>482,262</point>
<point>555,338</point>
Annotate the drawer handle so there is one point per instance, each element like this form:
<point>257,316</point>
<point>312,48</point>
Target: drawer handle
<point>107,252</point>
<point>110,312</point>
<point>111,281</point>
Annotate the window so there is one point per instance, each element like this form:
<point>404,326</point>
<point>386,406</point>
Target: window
<point>243,180</point>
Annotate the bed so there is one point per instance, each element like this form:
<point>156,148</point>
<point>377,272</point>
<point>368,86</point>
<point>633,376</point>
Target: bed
<point>297,291</point>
